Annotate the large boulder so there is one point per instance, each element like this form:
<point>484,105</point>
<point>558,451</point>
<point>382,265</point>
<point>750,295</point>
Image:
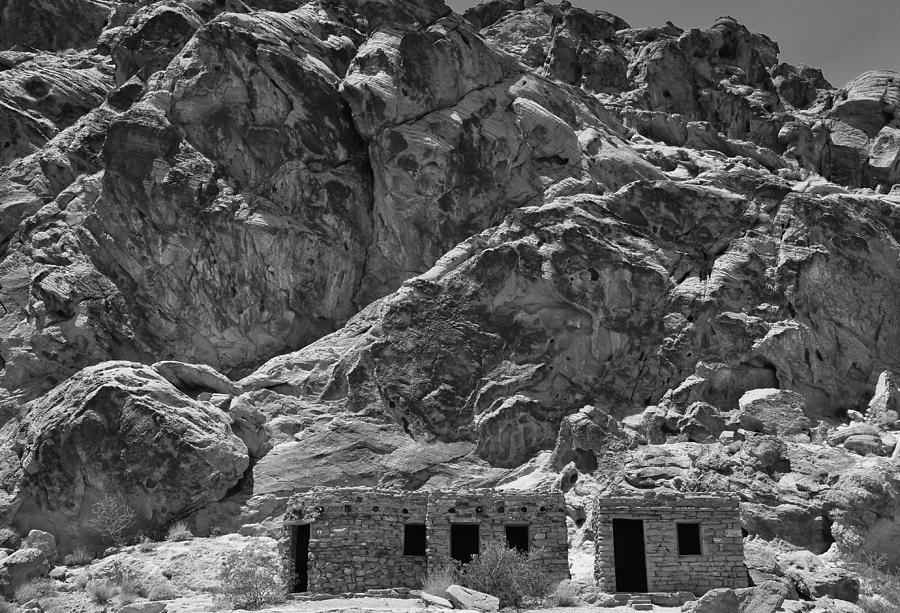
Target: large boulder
<point>773,411</point>
<point>467,598</point>
<point>720,600</point>
<point>763,598</point>
<point>20,567</point>
<point>115,429</point>
<point>814,578</point>
<point>46,542</point>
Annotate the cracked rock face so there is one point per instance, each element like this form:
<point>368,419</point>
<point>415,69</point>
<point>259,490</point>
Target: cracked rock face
<point>368,242</point>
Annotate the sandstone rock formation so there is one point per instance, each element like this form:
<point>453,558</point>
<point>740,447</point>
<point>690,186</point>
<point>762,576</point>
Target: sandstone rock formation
<point>368,242</point>
<point>120,429</point>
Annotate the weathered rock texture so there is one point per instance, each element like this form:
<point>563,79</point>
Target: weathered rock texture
<point>358,242</point>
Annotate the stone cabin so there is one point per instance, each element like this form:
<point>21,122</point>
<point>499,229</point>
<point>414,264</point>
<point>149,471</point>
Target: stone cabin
<point>668,543</point>
<point>339,540</point>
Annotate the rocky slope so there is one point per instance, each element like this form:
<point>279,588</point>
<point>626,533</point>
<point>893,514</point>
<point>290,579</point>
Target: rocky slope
<point>250,247</point>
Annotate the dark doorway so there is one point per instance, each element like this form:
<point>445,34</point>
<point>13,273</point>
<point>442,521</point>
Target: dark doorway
<point>689,539</point>
<point>628,545</point>
<point>414,540</point>
<point>463,542</point>
<point>517,538</point>
<point>301,557</point>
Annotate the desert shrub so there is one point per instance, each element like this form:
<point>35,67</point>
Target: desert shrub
<point>80,581</point>
<point>879,583</point>
<point>438,580</point>
<point>162,590</point>
<point>100,591</point>
<point>130,588</point>
<point>179,531</point>
<point>145,544</point>
<point>876,604</point>
<point>251,578</point>
<point>5,607</point>
<point>79,557</point>
<point>565,595</point>
<point>112,517</point>
<point>36,588</point>
<point>508,574</point>
<point>9,538</point>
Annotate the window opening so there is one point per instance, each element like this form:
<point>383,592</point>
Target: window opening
<point>414,539</point>
<point>689,539</point>
<point>517,538</point>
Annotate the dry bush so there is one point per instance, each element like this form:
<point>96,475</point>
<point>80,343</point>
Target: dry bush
<point>179,531</point>
<point>565,595</point>
<point>5,607</point>
<point>508,574</point>
<point>130,588</point>
<point>79,557</point>
<point>438,580</point>
<point>80,582</point>
<point>145,545</point>
<point>879,583</point>
<point>251,578</point>
<point>100,591</point>
<point>36,588</point>
<point>162,590</point>
<point>112,517</point>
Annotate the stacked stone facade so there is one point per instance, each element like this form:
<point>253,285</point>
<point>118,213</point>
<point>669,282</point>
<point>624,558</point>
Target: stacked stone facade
<point>720,563</point>
<point>356,534</point>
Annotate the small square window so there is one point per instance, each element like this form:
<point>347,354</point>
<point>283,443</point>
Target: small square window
<point>517,538</point>
<point>414,539</point>
<point>689,540</point>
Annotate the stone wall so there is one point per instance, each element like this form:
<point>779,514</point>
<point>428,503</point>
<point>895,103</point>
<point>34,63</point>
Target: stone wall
<point>356,534</point>
<point>720,564</point>
<point>543,512</point>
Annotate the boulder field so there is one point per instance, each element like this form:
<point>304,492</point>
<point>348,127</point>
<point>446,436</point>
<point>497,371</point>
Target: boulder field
<point>253,246</point>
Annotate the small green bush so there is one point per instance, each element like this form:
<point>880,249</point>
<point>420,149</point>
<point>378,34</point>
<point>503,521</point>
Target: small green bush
<point>251,578</point>
<point>508,574</point>
<point>100,591</point>
<point>9,538</point>
<point>438,580</point>
<point>5,607</point>
<point>79,557</point>
<point>36,588</point>
<point>179,531</point>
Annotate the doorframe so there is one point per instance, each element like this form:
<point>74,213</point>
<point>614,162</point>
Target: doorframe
<point>295,538</point>
<point>644,543</point>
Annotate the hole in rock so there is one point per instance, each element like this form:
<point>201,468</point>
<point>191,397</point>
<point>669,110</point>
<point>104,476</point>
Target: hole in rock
<point>585,462</point>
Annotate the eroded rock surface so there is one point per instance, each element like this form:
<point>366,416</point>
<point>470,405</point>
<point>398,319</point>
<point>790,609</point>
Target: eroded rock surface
<point>115,429</point>
<point>369,242</point>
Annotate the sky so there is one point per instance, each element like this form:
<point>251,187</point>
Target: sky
<point>842,37</point>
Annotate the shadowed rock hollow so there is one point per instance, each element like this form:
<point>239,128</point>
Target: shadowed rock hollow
<point>369,242</point>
